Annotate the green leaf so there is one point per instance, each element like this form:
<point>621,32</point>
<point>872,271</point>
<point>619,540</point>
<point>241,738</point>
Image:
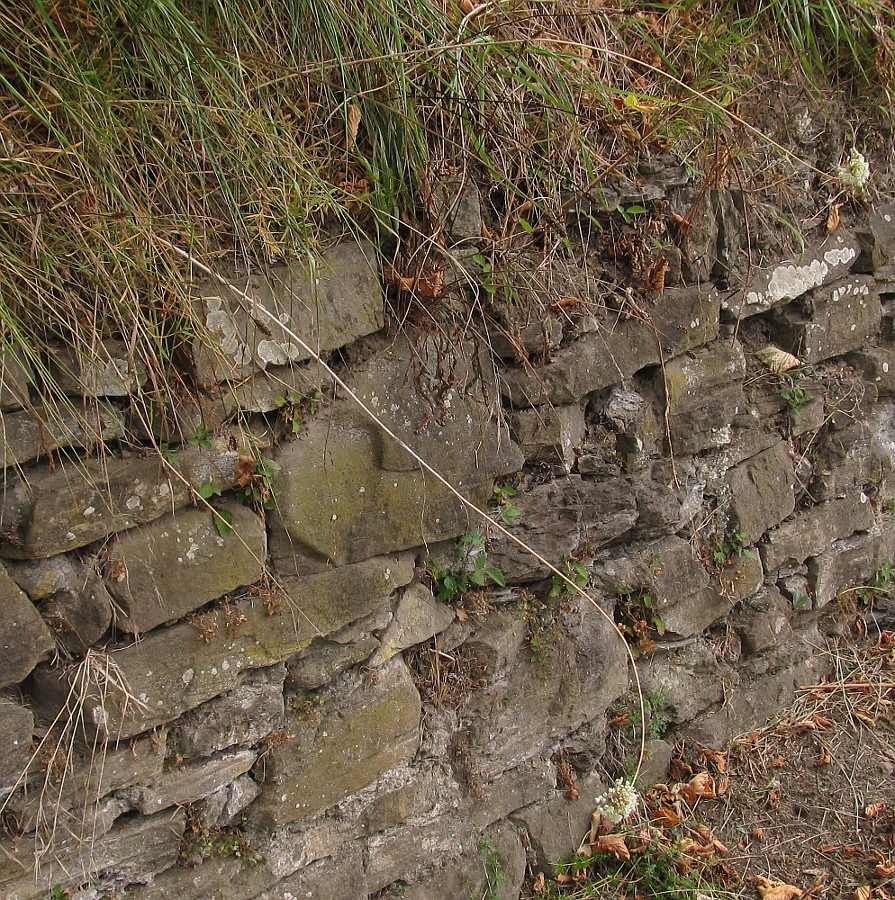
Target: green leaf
<point>209,489</point>
<point>478,577</point>
<point>223,521</point>
<point>496,576</point>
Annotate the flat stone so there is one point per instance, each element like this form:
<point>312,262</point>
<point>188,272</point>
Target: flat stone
<point>877,240</point>
<point>335,878</point>
<point>762,492</point>
<point>180,562</point>
<point>337,303</point>
<point>28,435</point>
<point>323,660</point>
<point>17,726</point>
<point>878,367</point>
<point>683,318</point>
<point>25,639</point>
<point>178,668</point>
<point>813,530</point>
<point>550,434</point>
<point>763,621</point>
<point>363,731</point>
<point>136,849</point>
<point>704,393</point>
<point>243,715</point>
<point>417,617</point>
<point>110,369</point>
<point>832,320</point>
<point>183,784</point>
<point>521,339</point>
<point>782,283</point>
<point>558,517</point>
<point>851,562</point>
<point>529,782</point>
<point>853,460</point>
<point>15,378</point>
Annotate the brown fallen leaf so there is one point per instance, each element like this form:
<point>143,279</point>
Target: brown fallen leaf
<point>352,123</point>
<point>776,890</point>
<point>612,843</point>
<point>885,865</point>
<point>715,758</point>
<point>699,786</point>
<point>863,893</point>
<point>872,810</point>
<point>539,884</point>
<point>864,716</point>
<point>778,762</point>
<point>666,816</point>
<point>825,757</point>
<point>832,222</point>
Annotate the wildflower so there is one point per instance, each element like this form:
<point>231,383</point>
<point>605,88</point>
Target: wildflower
<point>618,802</point>
<point>854,175</point>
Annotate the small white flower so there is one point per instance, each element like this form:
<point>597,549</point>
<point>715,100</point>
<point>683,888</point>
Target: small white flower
<point>855,174</point>
<point>618,802</point>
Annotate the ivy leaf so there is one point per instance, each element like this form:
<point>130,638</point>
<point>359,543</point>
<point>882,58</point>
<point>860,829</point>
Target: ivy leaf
<point>223,521</point>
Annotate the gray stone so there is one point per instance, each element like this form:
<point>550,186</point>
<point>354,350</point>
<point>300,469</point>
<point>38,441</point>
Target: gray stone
<point>323,660</point>
<point>877,240</point>
<point>785,282</point>
<point>337,303</point>
<point>549,434</point>
<point>676,582</point>
<point>520,339</point>
<point>25,639</point>
<point>213,879</point>
<point>682,318</point>
<point>581,672</point>
<point>457,206</point>
<point>224,805</point>
<point>132,851</point>
<point>92,775</point>
<point>185,783</point>
<point>494,870</point>
<point>557,518</point>
<point>337,878</point>
<point>363,732</point>
<point>556,828</point>
<point>178,668</point>
<point>763,621</point>
<point>762,492</point>
<point>417,617</point>
<point>37,432</point>
<point>530,782</point>
<point>740,577</point>
<point>179,562</point>
<point>276,388</point>
<point>16,726</point>
<point>813,530</point>
<point>631,415</point>
<point>111,369</point>
<point>851,461</point>
<point>243,715</point>
<point>848,563</point>
<point>729,214</point>
<point>831,321</point>
<point>346,491</point>
<point>15,378</point>
<point>703,394</point>
<point>878,367</point>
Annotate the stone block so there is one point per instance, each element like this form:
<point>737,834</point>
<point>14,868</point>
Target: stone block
<point>15,378</point>
<point>877,240</point>
<point>417,617</point>
<point>323,660</point>
<point>212,879</point>
<point>110,370</point>
<point>345,491</point>
<point>180,562</point>
<point>30,434</point>
<point>852,461</point>
<point>534,703</point>
<point>132,851</point>
<point>878,367</point>
<point>183,784</point>
<point>338,302</point>
<point>683,318</point>
<point>703,392</point>
<point>25,639</point>
<point>813,530</point>
<point>830,321</point>
<point>340,877</point>
<point>549,434</point>
<point>676,582</point>
<point>787,281</point>
<point>16,726</point>
<point>631,415</point>
<point>243,715</point>
<point>848,563</point>
<point>363,731</point>
<point>175,669</point>
<point>530,782</point>
<point>763,621</point>
<point>520,339</point>
<point>762,492</point>
<point>558,517</point>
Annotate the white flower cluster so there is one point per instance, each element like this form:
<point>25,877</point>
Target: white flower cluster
<point>855,173</point>
<point>618,802</point>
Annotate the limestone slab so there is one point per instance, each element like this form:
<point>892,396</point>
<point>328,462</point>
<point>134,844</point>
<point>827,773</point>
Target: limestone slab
<point>417,617</point>
<point>16,726</point>
<point>110,370</point>
<point>851,562</point>
<point>363,731</point>
<point>338,302</point>
<point>179,562</point>
<point>551,434</point>
<point>762,491</point>
<point>24,639</point>
<point>180,667</point>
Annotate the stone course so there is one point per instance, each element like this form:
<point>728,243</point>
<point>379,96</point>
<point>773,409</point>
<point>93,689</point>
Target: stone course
<point>277,706</point>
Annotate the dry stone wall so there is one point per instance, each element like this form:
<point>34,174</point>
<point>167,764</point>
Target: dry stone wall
<point>224,672</point>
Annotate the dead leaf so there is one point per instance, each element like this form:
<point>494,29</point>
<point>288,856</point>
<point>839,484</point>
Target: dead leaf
<point>778,762</point>
<point>699,786</point>
<point>862,893</point>
<point>864,717</point>
<point>620,721</point>
<point>826,756</point>
<point>715,758</point>
<point>655,278</point>
<point>832,222</point>
<point>352,123</point>
<point>777,360</point>
<point>885,865</point>
<point>539,885</point>
<point>612,843</point>
<point>666,816</point>
<point>872,810</point>
<point>776,890</point>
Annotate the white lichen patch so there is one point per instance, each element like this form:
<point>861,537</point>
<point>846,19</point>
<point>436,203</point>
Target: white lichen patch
<point>273,353</point>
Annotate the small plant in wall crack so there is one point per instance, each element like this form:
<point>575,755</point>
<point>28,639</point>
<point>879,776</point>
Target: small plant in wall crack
<point>638,620</point>
<point>472,570</point>
<point>507,512</point>
<point>733,544</point>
